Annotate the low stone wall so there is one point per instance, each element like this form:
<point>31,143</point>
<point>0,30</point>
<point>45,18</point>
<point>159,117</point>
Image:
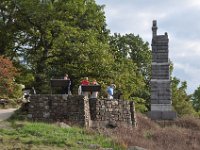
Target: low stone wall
<point>81,110</point>
<point>105,112</point>
<point>52,108</point>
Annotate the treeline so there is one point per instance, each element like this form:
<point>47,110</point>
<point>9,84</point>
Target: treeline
<point>45,39</point>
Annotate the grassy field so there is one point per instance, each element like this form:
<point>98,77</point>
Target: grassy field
<point>20,135</point>
<point>180,134</point>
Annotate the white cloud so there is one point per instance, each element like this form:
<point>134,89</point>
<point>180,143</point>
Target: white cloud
<point>194,3</point>
<point>187,71</point>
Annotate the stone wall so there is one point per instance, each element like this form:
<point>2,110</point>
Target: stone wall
<point>52,108</point>
<point>81,110</point>
<point>105,112</point>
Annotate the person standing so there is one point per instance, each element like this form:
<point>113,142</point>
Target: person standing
<point>95,93</point>
<point>84,82</point>
<point>110,91</point>
<point>67,89</point>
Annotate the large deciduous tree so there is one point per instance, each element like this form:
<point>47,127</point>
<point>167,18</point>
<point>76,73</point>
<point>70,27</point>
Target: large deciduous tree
<point>54,37</point>
<point>49,38</point>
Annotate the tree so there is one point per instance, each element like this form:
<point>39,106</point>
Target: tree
<point>180,100</point>
<point>133,47</point>
<point>7,75</point>
<point>55,37</point>
<point>196,99</point>
<point>132,64</point>
<point>7,28</point>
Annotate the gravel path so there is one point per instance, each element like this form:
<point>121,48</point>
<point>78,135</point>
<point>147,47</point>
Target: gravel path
<point>6,113</point>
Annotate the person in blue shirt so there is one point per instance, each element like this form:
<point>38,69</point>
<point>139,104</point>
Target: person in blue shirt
<point>110,91</point>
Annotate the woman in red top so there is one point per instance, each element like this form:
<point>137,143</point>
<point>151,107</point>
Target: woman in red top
<point>85,81</point>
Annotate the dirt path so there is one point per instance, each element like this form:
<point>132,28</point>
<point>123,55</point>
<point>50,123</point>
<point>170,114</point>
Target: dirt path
<point>6,113</point>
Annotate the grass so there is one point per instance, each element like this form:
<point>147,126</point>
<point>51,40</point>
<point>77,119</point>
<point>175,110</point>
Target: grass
<point>30,135</point>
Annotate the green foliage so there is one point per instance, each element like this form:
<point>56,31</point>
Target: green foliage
<point>56,37</point>
<point>17,92</point>
<point>26,77</point>
<point>196,99</point>
<point>131,69</point>
<point>140,104</point>
<point>125,77</point>
<point>133,47</point>
<point>180,100</point>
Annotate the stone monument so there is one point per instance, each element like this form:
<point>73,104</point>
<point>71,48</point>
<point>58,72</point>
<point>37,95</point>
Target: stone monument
<point>161,103</point>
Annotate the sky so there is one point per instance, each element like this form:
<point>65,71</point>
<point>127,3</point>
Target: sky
<point>179,18</point>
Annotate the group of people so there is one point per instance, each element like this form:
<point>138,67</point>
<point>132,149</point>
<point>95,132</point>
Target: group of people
<point>84,82</point>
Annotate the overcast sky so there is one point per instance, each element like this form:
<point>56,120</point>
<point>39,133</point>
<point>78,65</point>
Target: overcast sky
<point>179,18</point>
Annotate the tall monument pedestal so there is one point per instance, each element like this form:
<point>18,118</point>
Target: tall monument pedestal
<point>162,115</point>
<point>161,104</point>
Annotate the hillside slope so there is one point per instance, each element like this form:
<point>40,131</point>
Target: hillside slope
<point>181,134</point>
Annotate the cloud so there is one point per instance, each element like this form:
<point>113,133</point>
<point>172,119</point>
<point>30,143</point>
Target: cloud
<point>180,19</point>
<point>188,71</point>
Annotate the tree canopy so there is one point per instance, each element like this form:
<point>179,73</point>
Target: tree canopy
<point>54,37</point>
<point>51,38</point>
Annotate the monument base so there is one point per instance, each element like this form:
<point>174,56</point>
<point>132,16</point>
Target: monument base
<point>162,115</point>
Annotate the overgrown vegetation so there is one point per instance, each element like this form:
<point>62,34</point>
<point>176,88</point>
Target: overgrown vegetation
<point>180,134</point>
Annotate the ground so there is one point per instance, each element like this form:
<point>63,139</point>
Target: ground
<point>6,113</point>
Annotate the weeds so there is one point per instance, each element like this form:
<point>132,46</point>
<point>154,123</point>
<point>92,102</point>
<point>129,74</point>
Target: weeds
<point>181,134</point>
<point>148,134</point>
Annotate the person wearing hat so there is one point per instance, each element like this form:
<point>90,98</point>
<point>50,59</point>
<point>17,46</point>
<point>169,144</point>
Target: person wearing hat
<point>110,91</point>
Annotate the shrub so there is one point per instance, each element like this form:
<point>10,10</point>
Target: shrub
<point>7,74</point>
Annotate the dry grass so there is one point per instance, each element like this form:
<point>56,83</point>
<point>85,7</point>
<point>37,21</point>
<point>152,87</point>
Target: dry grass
<point>181,134</point>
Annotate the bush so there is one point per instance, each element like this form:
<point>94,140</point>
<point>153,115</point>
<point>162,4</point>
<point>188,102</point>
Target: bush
<point>7,74</point>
